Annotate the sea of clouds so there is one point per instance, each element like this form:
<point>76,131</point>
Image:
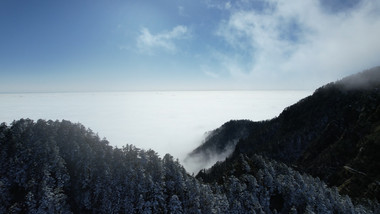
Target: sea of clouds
<point>172,122</point>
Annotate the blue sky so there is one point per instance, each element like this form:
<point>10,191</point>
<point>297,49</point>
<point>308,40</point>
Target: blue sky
<point>117,45</point>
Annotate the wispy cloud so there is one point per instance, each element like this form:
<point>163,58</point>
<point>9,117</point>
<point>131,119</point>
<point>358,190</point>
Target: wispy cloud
<point>149,43</point>
<point>209,73</point>
<point>302,39</point>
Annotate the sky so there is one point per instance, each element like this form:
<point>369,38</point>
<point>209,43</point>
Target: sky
<point>121,45</point>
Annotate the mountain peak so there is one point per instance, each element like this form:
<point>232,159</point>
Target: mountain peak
<point>364,80</point>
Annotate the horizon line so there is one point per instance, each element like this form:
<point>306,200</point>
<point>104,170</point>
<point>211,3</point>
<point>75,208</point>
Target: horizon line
<point>150,90</point>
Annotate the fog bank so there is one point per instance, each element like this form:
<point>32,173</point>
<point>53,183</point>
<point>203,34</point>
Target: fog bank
<point>167,122</point>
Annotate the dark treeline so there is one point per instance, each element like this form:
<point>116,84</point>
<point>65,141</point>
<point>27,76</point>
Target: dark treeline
<point>61,167</point>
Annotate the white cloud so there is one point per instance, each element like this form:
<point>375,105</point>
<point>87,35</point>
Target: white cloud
<point>228,5</point>
<point>301,40</point>
<point>148,42</point>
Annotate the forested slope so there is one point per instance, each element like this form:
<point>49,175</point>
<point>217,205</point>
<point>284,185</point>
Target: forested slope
<point>61,167</point>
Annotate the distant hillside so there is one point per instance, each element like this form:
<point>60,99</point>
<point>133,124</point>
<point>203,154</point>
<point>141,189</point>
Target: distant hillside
<point>333,134</point>
<point>220,143</point>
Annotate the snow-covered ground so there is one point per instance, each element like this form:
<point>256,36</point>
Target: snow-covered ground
<point>169,122</point>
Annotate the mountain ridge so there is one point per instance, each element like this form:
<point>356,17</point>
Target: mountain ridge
<point>324,134</point>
